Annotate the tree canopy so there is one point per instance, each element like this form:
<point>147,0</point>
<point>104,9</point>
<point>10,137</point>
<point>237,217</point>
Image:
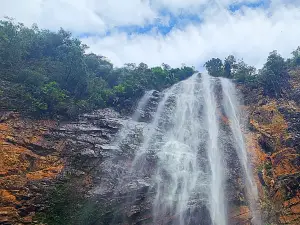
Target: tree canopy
<point>47,73</point>
<point>273,77</point>
<point>274,74</point>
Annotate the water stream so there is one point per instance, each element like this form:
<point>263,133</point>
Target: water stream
<point>183,143</point>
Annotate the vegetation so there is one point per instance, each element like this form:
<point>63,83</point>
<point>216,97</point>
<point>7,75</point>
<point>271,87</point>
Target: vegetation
<point>274,74</point>
<point>67,203</point>
<point>46,73</point>
<point>273,77</point>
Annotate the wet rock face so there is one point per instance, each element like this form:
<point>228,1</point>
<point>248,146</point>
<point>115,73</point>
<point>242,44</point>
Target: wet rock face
<point>275,126</point>
<point>83,158</point>
<point>97,173</point>
<point>29,161</point>
<point>146,115</point>
<point>92,150</point>
<point>33,153</point>
<point>115,194</point>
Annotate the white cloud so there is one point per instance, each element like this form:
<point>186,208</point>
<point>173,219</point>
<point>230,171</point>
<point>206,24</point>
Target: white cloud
<point>248,33</point>
<point>194,6</point>
<point>92,16</point>
<point>132,12</point>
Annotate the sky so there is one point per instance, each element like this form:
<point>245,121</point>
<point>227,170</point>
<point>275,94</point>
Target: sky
<point>174,32</point>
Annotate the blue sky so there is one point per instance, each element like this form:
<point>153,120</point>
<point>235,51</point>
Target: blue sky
<point>178,20</point>
<point>175,32</point>
<point>257,4</point>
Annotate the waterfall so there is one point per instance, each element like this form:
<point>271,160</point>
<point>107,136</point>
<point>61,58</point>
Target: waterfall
<point>129,125</point>
<point>217,205</point>
<point>183,155</point>
<point>231,105</point>
<point>141,105</point>
<point>177,169</point>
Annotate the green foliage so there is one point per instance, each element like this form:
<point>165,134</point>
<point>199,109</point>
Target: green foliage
<point>46,73</point>
<point>215,67</point>
<point>274,75</point>
<point>97,92</point>
<point>54,97</point>
<point>231,68</point>
<point>295,60</point>
<point>229,65</point>
<point>244,73</point>
<point>63,203</point>
<point>68,205</point>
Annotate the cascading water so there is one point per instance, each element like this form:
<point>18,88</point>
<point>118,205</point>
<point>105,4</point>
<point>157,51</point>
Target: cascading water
<point>128,126</point>
<point>141,105</point>
<point>231,105</point>
<point>183,155</point>
<point>177,168</point>
<point>217,206</point>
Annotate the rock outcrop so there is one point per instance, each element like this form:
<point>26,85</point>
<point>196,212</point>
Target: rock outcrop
<point>29,161</point>
<point>79,171</point>
<point>52,173</point>
<point>275,143</point>
<point>92,155</point>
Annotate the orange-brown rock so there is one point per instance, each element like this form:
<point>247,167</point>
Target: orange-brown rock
<point>28,157</point>
<point>282,162</point>
<point>273,144</point>
<point>7,198</point>
<point>8,215</point>
<point>240,215</point>
<point>290,219</point>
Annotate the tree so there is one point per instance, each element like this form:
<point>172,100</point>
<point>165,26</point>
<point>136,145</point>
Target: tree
<point>243,72</point>
<point>160,75</point>
<point>295,61</point>
<point>97,92</point>
<point>274,75</point>
<point>49,73</point>
<point>54,97</point>
<point>229,65</point>
<point>215,67</point>
<point>98,65</point>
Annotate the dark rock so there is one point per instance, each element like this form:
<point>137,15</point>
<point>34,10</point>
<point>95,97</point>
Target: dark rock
<point>266,144</point>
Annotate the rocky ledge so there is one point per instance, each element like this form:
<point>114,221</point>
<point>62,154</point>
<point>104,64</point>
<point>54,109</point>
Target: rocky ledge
<point>274,140</point>
<point>74,170</point>
<point>30,160</point>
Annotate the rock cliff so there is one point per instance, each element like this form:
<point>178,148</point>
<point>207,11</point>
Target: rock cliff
<point>30,159</point>
<point>56,173</point>
<point>275,141</point>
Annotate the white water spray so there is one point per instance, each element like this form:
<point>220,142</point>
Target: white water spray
<point>183,142</point>
<point>231,105</point>
<point>177,171</point>
<point>130,124</point>
<point>214,152</point>
<point>141,105</point>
